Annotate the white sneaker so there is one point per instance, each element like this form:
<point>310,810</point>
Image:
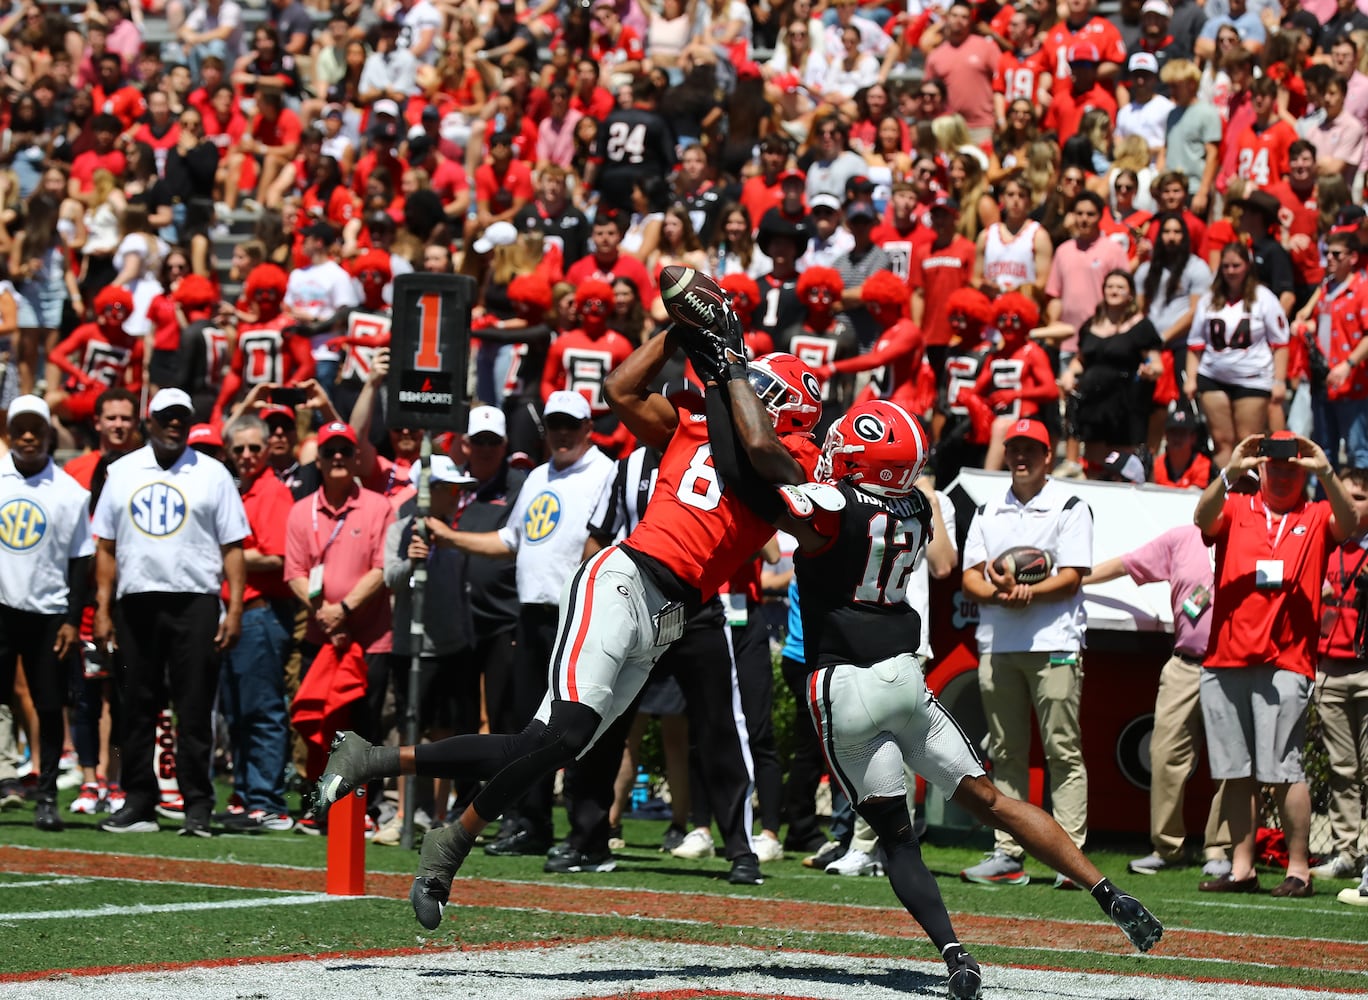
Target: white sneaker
<point>1356,897</point>
<point>1150,864</point>
<point>855,862</point>
<point>1337,867</point>
<point>388,835</point>
<point>1216,868</point>
<point>696,844</point>
<point>767,848</point>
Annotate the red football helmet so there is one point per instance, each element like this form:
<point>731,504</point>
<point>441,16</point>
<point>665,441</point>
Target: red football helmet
<point>790,391</point>
<point>877,445</point>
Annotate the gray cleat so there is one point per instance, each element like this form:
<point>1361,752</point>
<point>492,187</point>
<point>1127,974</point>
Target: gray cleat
<point>346,769</point>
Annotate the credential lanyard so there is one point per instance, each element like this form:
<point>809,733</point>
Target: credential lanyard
<point>337,528</point>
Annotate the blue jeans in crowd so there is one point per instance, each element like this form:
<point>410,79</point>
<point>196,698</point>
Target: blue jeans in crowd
<point>1343,420</point>
<point>253,701</point>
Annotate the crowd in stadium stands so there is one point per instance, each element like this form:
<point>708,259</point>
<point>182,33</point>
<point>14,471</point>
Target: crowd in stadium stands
<point>1139,231</point>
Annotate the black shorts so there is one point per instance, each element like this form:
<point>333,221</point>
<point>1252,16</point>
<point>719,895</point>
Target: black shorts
<point>1233,392</point>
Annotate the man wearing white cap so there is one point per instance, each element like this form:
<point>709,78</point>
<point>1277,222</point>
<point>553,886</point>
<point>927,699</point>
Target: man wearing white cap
<point>493,583</point>
<point>169,526</point>
<point>1147,113</point>
<point>545,533</point>
<point>45,537</point>
<point>1155,37</point>
<point>449,692</point>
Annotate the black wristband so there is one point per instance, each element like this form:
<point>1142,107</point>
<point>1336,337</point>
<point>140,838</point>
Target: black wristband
<point>346,611</point>
<point>735,371</point>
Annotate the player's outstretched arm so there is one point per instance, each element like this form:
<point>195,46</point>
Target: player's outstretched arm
<point>644,412</point>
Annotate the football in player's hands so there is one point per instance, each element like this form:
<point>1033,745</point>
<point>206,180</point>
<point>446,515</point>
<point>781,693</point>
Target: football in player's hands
<point>691,297</point>
<point>1025,563</point>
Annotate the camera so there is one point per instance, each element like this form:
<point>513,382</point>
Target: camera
<point>1278,450</point>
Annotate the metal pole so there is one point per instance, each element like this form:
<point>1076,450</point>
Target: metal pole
<point>417,635</point>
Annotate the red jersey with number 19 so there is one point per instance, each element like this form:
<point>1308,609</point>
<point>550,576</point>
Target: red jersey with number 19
<point>691,526</point>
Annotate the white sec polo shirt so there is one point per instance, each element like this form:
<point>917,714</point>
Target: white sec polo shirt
<point>44,523</point>
<point>168,524</point>
<point>549,524</point>
<point>1058,522</point>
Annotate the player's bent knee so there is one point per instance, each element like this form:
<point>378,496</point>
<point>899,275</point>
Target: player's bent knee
<point>572,726</point>
<point>889,818</point>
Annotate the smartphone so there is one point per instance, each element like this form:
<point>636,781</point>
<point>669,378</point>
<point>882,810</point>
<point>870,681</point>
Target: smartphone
<point>1279,450</point>
<point>288,397</point>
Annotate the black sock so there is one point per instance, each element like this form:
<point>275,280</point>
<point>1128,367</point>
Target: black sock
<point>912,882</point>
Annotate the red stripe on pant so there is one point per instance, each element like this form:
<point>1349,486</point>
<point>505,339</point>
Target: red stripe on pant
<point>815,707</point>
<point>583,631</point>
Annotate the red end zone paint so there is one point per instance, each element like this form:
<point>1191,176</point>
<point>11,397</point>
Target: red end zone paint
<point>739,911</point>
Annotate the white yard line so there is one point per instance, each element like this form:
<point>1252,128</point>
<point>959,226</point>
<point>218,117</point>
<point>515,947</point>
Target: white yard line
<point>140,909</point>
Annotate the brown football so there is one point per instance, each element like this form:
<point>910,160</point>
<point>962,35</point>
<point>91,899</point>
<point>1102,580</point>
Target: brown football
<point>1025,562</point>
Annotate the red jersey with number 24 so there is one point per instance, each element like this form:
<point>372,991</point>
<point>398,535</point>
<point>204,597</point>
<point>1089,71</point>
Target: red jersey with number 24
<point>700,532</point>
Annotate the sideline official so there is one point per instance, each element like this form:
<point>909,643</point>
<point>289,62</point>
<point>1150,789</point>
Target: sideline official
<point>45,538</point>
<point>169,526</point>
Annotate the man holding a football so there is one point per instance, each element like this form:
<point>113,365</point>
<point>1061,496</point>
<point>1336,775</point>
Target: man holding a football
<point>1024,563</point>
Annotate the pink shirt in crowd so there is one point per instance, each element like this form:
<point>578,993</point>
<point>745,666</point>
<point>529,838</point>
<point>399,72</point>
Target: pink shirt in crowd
<point>1076,280</point>
<point>357,547</point>
<point>556,139</point>
<point>1181,559</point>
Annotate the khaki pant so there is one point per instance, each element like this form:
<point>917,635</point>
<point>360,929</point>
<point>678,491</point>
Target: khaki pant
<point>1342,701</point>
<point>1012,684</point>
<point>1174,745</point>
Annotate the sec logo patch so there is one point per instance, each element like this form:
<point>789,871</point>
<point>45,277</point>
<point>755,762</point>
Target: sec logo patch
<point>22,524</point>
<point>157,509</point>
<point>543,514</point>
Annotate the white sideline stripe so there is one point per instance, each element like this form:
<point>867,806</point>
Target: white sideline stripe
<point>144,908</point>
<point>41,881</point>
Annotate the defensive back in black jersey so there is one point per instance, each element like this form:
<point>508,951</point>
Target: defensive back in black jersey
<point>632,143</point>
<point>853,593</point>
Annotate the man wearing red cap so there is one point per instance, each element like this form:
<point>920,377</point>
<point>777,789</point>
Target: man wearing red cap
<point>1272,551</point>
<point>337,574</point>
<point>1080,95</point>
<point>1030,637</point>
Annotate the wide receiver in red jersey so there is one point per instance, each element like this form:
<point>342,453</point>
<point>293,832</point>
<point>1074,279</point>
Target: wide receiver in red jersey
<point>621,611</point>
<point>107,357</point>
<point>860,531</point>
<point>900,350</point>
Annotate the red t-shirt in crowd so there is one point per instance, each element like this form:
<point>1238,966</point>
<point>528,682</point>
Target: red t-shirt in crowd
<point>126,103</point>
<point>1261,155</point>
<point>580,363</point>
<point>938,273</point>
<point>1301,217</point>
<point>1097,31</point>
<point>84,166</point>
<point>598,105</point>
<point>1279,625</point>
<point>498,192</point>
<point>1018,76</point>
<point>1068,108</point>
<point>267,503</point>
<point>588,268</point>
<point>284,131</point>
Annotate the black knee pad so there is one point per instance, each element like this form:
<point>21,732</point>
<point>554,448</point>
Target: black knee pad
<point>890,820</point>
<point>573,726</point>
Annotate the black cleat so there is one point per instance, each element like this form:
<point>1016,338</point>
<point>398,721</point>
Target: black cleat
<point>965,981</point>
<point>1136,922</point>
<point>45,817</point>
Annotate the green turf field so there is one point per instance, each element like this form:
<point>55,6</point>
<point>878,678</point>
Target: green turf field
<point>62,921</point>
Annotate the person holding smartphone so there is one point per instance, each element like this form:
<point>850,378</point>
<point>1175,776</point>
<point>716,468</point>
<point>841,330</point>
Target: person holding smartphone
<point>1272,551</point>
